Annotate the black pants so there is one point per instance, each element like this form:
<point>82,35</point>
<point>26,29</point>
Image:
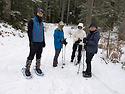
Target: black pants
<point>89,57</point>
<point>79,51</point>
<point>55,60</point>
<point>35,48</point>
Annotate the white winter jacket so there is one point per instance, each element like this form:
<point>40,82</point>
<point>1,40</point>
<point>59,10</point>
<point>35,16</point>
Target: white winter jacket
<point>79,33</point>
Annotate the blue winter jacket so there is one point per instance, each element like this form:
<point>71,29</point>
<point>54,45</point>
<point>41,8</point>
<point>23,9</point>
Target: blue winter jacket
<point>58,35</point>
<point>37,31</point>
<point>92,42</point>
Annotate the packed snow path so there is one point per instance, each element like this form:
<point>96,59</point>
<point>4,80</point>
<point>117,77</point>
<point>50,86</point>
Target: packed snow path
<point>107,79</point>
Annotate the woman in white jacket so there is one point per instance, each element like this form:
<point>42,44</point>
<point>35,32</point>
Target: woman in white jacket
<point>78,42</point>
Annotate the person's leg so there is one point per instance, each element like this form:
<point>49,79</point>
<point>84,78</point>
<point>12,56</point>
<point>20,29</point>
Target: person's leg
<point>73,52</point>
<point>38,55</point>
<point>79,53</point>
<point>30,58</point>
<point>38,58</point>
<point>55,60</point>
<point>28,64</point>
<point>89,57</point>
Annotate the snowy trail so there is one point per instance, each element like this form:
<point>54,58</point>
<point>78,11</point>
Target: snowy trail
<point>107,79</point>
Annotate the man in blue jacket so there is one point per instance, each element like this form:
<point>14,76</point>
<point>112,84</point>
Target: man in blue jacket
<point>58,42</point>
<point>91,47</point>
<point>36,40</point>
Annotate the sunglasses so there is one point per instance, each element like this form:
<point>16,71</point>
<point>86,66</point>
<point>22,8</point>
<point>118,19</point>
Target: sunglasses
<point>79,27</point>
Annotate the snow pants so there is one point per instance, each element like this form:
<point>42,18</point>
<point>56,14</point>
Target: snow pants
<point>55,60</point>
<point>79,51</point>
<point>89,57</point>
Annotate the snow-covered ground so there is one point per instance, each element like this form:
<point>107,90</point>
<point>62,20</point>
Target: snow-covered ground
<point>107,79</point>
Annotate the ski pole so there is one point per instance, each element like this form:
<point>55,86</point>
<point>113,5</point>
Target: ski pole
<point>83,59</point>
<point>76,54</point>
<point>62,57</point>
<point>79,64</point>
<point>78,69</point>
<point>64,54</point>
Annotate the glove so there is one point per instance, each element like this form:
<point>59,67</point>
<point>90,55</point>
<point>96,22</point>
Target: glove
<point>64,42</point>
<point>78,41</point>
<point>44,44</point>
<point>84,40</point>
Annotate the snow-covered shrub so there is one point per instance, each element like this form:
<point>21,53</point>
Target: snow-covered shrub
<point>7,30</point>
<point>111,47</point>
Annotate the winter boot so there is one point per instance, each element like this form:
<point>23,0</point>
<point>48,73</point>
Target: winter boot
<point>28,64</point>
<point>87,75</point>
<point>38,70</point>
<point>83,72</point>
<point>71,61</point>
<point>54,65</point>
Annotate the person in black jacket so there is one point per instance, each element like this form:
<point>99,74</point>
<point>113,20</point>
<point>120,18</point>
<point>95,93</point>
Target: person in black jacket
<point>36,41</point>
<point>91,47</point>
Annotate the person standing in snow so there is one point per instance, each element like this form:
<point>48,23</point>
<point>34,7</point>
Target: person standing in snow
<point>91,47</point>
<point>78,42</point>
<point>36,40</point>
<point>58,42</point>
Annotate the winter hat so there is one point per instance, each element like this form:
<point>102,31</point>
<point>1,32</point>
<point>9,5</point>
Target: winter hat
<point>61,23</point>
<point>80,25</point>
<point>93,24</point>
<point>39,10</point>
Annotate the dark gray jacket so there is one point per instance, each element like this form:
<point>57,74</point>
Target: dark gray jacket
<point>92,40</point>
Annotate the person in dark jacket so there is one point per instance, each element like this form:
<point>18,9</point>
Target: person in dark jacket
<point>36,41</point>
<point>91,47</point>
<point>58,42</point>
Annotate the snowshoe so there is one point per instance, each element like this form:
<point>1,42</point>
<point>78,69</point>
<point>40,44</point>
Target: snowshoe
<point>24,74</point>
<point>38,71</point>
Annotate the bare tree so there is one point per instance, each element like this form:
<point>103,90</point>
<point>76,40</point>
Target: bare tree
<point>46,12</point>
<point>89,14</point>
<point>122,29</point>
<point>68,12</point>
<point>63,9</point>
<point>6,8</point>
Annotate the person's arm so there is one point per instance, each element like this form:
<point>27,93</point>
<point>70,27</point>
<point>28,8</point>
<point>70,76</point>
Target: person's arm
<point>30,27</point>
<point>94,41</point>
<point>56,36</point>
<point>74,37</point>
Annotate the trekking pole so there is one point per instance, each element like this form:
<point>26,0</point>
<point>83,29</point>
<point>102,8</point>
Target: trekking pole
<point>83,59</point>
<point>79,64</point>
<point>78,69</point>
<point>63,60</point>
<point>64,54</point>
<point>76,54</point>
<point>62,57</point>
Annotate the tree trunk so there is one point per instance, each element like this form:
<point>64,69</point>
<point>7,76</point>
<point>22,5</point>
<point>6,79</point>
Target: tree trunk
<point>46,11</point>
<point>6,9</point>
<point>122,29</point>
<point>63,9</point>
<point>89,14</point>
<point>68,12</point>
